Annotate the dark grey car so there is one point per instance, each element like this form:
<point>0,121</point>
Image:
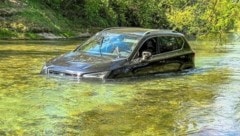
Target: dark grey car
<point>124,52</point>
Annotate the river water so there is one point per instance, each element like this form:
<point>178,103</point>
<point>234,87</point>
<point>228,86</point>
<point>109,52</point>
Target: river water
<point>203,101</point>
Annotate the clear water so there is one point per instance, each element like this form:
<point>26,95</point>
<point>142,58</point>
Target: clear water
<point>203,101</point>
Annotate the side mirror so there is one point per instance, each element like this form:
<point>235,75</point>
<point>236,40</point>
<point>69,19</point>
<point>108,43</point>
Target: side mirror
<point>146,55</point>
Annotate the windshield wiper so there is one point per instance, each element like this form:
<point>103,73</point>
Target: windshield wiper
<point>118,52</point>
<point>100,48</point>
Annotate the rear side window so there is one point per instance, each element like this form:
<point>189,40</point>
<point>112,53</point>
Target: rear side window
<point>170,43</point>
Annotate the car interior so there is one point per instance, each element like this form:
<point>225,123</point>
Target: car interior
<point>165,43</point>
<point>150,45</point>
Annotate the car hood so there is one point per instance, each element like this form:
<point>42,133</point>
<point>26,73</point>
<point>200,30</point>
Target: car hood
<point>84,62</point>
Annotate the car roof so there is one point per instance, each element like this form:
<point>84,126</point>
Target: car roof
<point>140,31</point>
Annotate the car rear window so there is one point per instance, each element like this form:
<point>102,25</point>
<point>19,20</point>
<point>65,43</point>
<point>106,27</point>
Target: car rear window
<point>170,43</point>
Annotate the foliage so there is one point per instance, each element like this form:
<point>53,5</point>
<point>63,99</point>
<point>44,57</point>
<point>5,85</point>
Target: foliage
<point>6,33</point>
<point>205,17</point>
<point>192,17</point>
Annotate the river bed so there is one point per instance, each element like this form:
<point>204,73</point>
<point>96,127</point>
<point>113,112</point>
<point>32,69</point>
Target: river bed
<point>203,101</point>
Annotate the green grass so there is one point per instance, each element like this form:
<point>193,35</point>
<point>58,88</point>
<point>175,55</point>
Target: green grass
<point>6,34</point>
<point>36,17</point>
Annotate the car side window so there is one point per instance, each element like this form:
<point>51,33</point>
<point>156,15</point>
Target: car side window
<point>149,45</point>
<point>170,43</point>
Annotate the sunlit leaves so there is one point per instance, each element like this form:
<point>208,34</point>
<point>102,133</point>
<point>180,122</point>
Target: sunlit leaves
<point>182,18</point>
<point>204,17</point>
<point>217,15</point>
<point>193,17</point>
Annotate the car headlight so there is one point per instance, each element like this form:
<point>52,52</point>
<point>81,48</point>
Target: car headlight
<point>96,75</point>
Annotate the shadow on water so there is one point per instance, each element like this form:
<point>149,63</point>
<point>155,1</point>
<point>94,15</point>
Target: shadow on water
<point>203,101</point>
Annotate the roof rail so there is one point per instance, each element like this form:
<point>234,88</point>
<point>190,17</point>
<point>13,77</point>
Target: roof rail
<point>157,30</point>
<point>167,30</point>
<point>150,31</point>
<point>145,33</point>
<point>110,28</point>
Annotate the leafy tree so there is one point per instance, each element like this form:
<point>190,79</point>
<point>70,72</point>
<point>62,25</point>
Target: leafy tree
<point>193,17</point>
<point>204,17</point>
<point>54,4</point>
<point>218,17</point>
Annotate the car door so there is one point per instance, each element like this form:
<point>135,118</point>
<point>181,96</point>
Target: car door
<point>167,57</point>
<point>171,51</point>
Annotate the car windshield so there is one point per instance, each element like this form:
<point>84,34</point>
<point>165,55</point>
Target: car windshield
<point>114,44</point>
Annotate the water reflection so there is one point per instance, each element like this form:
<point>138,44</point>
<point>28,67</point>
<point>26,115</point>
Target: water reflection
<point>224,111</point>
<point>204,101</point>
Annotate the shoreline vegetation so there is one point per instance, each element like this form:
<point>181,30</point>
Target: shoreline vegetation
<point>70,19</point>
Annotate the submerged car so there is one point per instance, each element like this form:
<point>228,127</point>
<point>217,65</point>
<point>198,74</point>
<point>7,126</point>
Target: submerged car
<point>124,52</point>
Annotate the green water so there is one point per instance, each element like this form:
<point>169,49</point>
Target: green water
<point>204,101</point>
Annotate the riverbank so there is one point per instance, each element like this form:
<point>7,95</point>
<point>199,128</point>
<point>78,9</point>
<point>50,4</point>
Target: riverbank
<point>60,19</point>
<point>24,20</point>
